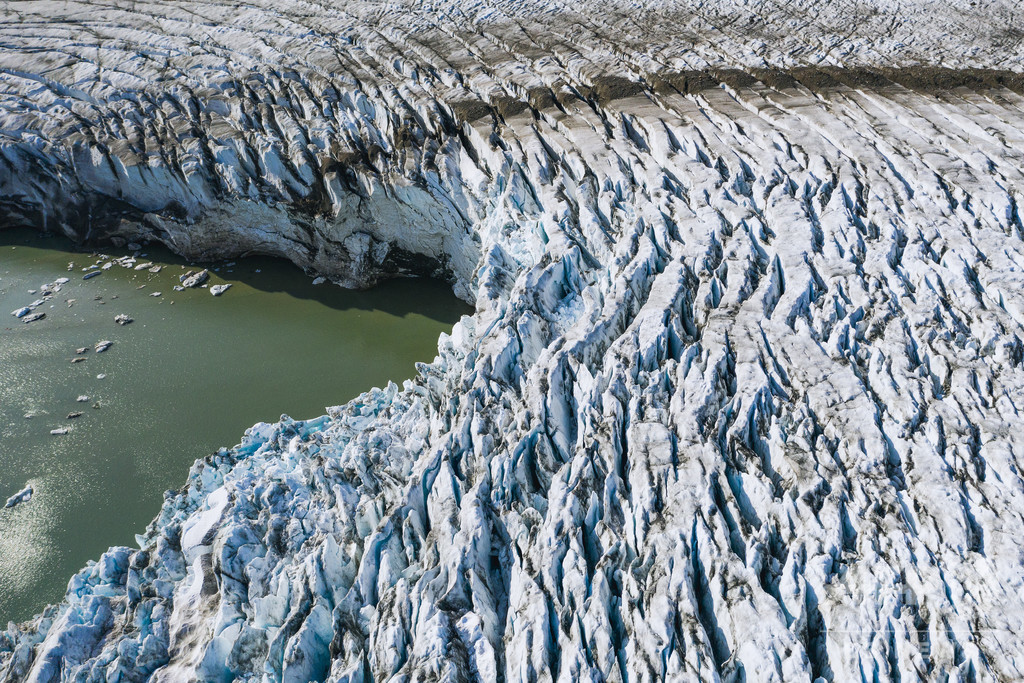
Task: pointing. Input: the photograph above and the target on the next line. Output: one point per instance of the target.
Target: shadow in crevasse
(400, 297)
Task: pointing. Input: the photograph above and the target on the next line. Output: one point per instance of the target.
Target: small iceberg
(103, 345)
(22, 496)
(217, 290)
(195, 279)
(21, 312)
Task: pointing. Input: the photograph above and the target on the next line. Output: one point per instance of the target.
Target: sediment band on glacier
(738, 400)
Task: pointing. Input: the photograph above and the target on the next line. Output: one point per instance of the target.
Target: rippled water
(189, 375)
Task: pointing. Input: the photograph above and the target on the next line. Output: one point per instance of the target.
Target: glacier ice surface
(738, 398)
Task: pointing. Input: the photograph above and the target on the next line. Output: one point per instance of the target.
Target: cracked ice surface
(738, 401)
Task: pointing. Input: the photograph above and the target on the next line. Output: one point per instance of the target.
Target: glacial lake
(190, 374)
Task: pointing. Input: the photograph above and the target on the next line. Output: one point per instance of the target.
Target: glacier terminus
(738, 398)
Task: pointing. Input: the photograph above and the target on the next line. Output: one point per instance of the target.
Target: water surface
(188, 376)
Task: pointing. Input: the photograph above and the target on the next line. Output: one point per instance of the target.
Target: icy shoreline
(738, 400)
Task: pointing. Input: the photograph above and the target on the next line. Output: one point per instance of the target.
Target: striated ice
(738, 400)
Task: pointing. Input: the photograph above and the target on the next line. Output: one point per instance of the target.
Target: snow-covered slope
(739, 398)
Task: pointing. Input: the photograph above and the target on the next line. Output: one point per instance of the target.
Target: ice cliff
(738, 401)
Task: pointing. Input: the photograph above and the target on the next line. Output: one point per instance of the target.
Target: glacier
(738, 398)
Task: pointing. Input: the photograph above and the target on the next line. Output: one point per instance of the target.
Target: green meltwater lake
(187, 376)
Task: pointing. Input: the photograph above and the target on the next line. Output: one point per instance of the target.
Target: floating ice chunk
(319, 280)
(34, 317)
(195, 279)
(21, 312)
(22, 496)
(91, 275)
(156, 294)
(217, 290)
(144, 266)
(102, 346)
(59, 431)
(122, 319)
(82, 399)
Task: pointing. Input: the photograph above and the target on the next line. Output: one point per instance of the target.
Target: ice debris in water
(195, 279)
(217, 290)
(22, 496)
